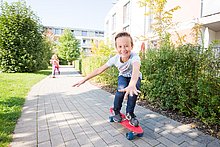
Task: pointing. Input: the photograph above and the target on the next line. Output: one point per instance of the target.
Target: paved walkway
(57, 114)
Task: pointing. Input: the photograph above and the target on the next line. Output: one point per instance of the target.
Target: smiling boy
(129, 79)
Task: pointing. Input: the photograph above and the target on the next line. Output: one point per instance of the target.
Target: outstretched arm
(91, 75)
(131, 88)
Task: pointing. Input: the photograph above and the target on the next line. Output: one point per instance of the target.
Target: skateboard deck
(134, 131)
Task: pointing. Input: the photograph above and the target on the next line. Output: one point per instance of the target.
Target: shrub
(109, 77)
(185, 79)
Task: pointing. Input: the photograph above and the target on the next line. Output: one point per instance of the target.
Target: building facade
(85, 36)
(128, 15)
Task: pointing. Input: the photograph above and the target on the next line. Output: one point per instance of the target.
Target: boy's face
(123, 46)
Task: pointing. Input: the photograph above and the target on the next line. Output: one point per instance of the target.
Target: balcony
(210, 14)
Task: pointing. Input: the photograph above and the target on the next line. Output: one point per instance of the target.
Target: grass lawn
(14, 88)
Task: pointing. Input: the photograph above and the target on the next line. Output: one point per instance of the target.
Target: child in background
(55, 65)
(129, 79)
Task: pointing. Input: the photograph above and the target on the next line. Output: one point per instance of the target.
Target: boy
(129, 79)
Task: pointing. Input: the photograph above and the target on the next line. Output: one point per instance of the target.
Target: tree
(22, 46)
(101, 49)
(68, 48)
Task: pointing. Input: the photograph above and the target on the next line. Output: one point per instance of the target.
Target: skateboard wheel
(140, 135)
(111, 119)
(130, 135)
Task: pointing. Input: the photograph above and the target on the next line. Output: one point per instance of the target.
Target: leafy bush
(109, 77)
(208, 105)
(185, 79)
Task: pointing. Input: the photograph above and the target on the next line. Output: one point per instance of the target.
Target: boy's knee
(120, 87)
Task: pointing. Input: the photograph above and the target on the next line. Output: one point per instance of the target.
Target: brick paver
(56, 114)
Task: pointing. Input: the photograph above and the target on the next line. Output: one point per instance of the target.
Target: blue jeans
(119, 96)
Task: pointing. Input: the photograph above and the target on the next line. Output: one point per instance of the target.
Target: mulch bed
(213, 130)
(194, 122)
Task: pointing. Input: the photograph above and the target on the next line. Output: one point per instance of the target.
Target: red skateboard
(134, 131)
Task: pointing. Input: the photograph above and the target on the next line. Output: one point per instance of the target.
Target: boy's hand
(130, 90)
(78, 83)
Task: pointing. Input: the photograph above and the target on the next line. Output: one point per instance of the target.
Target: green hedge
(109, 77)
(78, 65)
(185, 79)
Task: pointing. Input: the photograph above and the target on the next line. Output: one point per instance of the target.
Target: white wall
(212, 35)
(217, 35)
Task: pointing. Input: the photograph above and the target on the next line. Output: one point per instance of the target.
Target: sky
(84, 14)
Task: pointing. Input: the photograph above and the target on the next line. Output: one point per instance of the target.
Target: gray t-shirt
(125, 69)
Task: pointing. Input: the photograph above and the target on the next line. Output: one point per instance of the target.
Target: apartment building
(85, 36)
(127, 15)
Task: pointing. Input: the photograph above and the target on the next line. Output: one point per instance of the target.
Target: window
(84, 33)
(107, 26)
(57, 32)
(127, 28)
(96, 33)
(113, 22)
(84, 41)
(150, 24)
(113, 39)
(53, 30)
(91, 34)
(99, 34)
(126, 13)
(77, 33)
